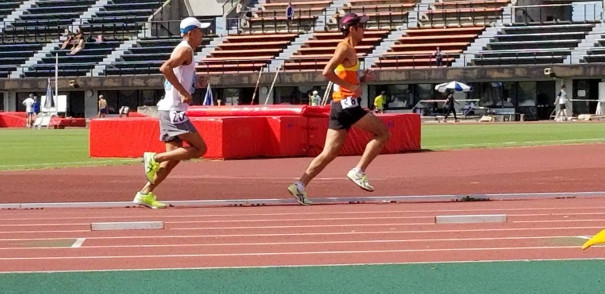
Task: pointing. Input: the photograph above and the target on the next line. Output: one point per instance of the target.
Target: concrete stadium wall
(204, 7)
(437, 75)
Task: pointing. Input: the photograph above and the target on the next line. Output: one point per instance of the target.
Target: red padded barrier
(269, 110)
(316, 134)
(404, 128)
(317, 111)
(409, 132)
(231, 137)
(247, 137)
(240, 110)
(21, 114)
(120, 137)
(287, 136)
(13, 119)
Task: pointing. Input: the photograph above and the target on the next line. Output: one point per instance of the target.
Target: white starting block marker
(144, 225)
(467, 219)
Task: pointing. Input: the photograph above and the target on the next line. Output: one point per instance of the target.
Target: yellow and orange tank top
(348, 74)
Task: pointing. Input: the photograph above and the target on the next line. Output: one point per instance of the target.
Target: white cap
(190, 23)
(315, 92)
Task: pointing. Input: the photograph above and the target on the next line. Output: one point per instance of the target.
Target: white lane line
(260, 254)
(38, 232)
(560, 221)
(78, 243)
(599, 210)
(286, 220)
(356, 232)
(383, 241)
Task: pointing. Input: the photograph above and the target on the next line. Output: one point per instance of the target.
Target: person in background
(562, 99)
(438, 57)
(124, 111)
(29, 110)
(314, 99)
(289, 14)
(102, 107)
(36, 107)
(379, 102)
(449, 106)
(78, 43)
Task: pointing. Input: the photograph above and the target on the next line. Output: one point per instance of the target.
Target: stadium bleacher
(79, 64)
(7, 7)
(147, 56)
(381, 13)
(316, 52)
(45, 20)
(532, 44)
(122, 18)
(451, 25)
(271, 15)
(463, 13)
(245, 52)
(415, 49)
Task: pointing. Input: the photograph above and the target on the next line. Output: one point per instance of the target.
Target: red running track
(545, 169)
(40, 240)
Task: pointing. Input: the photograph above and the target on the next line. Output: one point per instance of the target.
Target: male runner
(175, 126)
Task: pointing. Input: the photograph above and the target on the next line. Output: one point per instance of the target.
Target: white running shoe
(360, 180)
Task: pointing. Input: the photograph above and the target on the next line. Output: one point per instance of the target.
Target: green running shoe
(148, 200)
(151, 166)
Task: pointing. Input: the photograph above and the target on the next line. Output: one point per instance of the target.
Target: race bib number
(349, 102)
(178, 117)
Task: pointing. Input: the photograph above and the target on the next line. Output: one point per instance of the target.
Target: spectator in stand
(438, 57)
(289, 13)
(67, 37)
(78, 43)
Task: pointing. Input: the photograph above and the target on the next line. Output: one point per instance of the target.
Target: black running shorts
(344, 118)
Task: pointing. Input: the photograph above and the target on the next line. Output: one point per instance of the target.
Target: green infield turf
(460, 136)
(47, 148)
